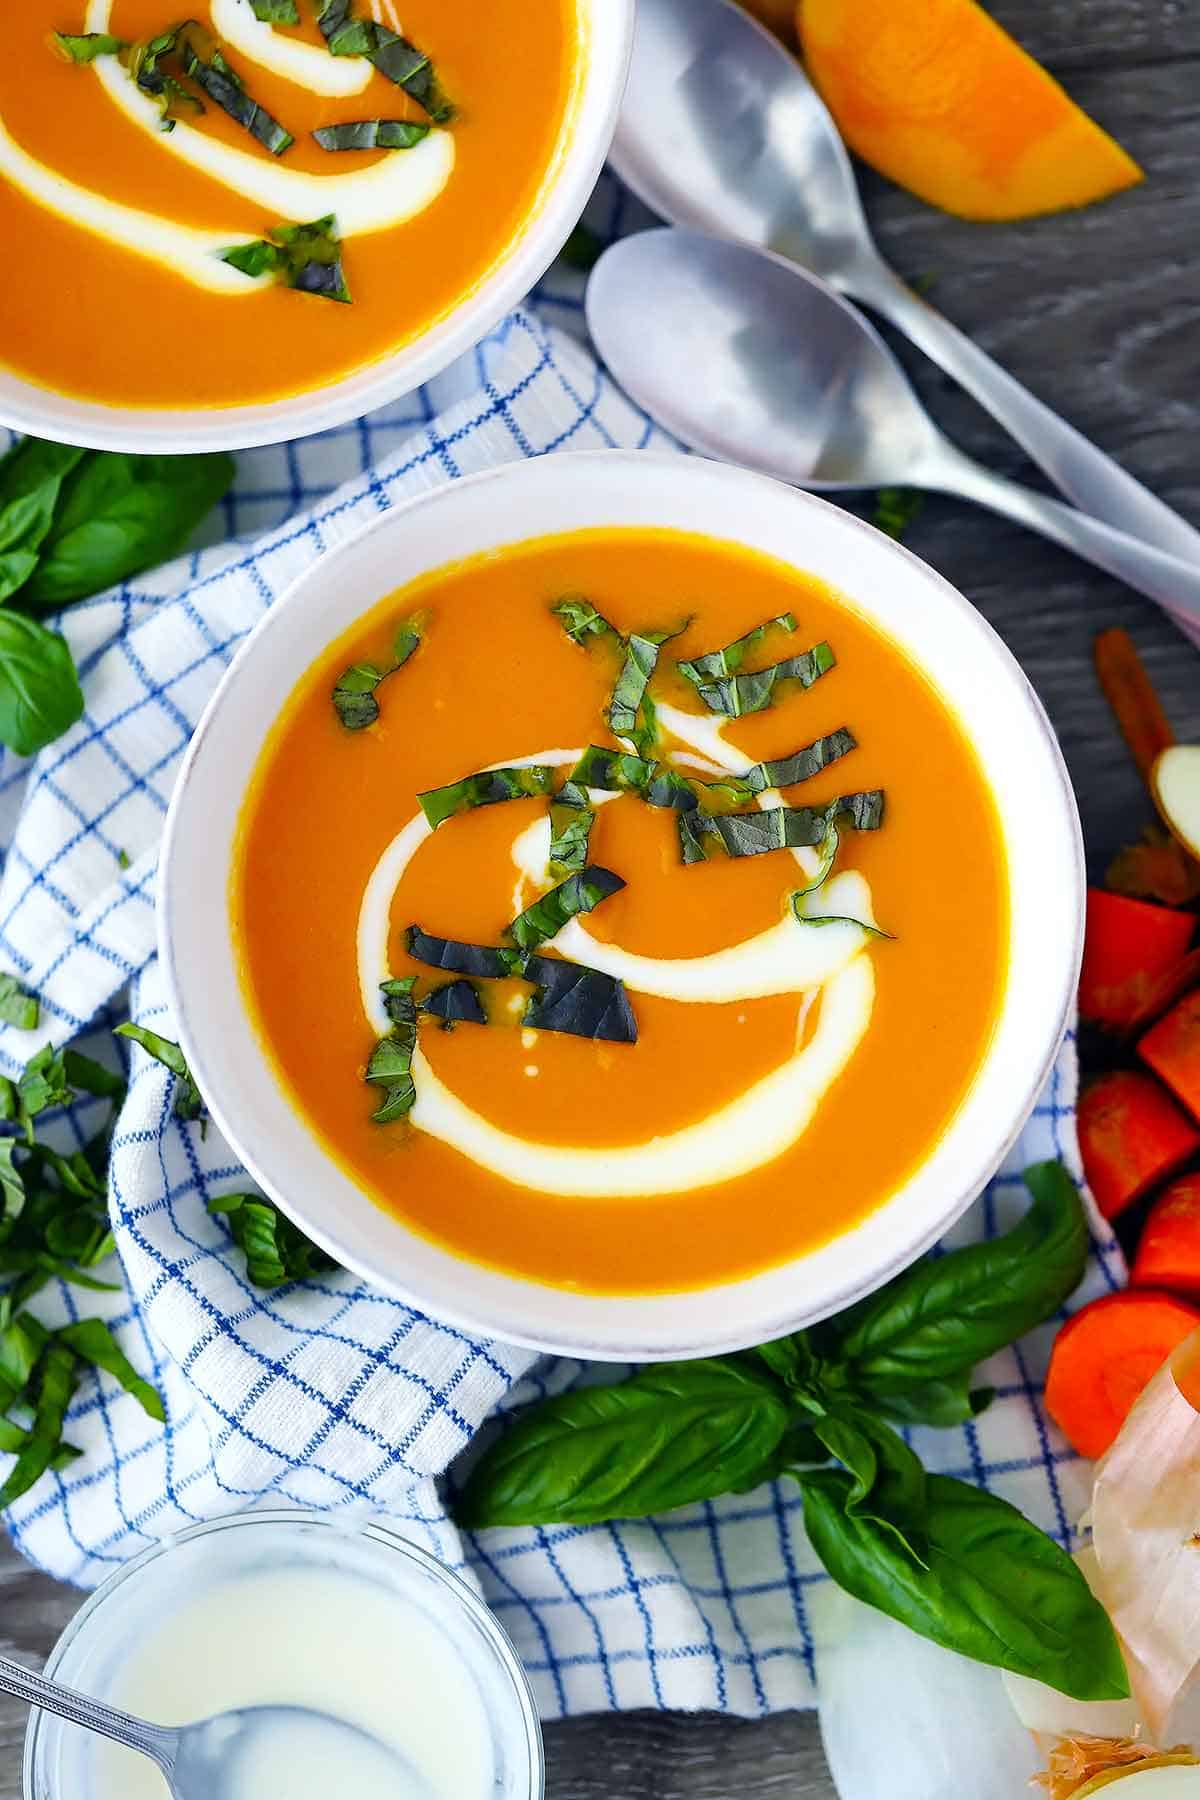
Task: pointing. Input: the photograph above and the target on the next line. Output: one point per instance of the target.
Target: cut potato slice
(1175, 784)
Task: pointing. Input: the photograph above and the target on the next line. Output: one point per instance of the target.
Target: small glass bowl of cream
(294, 1609)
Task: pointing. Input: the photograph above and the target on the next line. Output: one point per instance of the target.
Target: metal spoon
(227, 1757)
(722, 130)
(746, 357)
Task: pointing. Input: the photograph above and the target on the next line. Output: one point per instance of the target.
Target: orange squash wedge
(935, 95)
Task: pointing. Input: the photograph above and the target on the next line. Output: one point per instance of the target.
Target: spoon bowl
(753, 360)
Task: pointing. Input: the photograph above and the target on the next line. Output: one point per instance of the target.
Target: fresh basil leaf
(143, 59)
(673, 1434)
(703, 834)
(17, 1005)
(305, 257)
(581, 621)
(276, 1251)
(577, 1000)
(454, 1003)
(88, 1076)
(887, 1484)
(93, 1342)
(801, 765)
(735, 696)
(372, 134)
(12, 1190)
(276, 12)
(613, 771)
(996, 1589)
(227, 90)
(488, 788)
(393, 55)
(120, 514)
(41, 1085)
(895, 510)
(57, 1376)
(790, 1358)
(86, 46)
(12, 1438)
(354, 697)
(571, 821)
(21, 1344)
(942, 1317)
(481, 961)
(578, 894)
(31, 478)
(189, 1102)
(718, 665)
(944, 1403)
(40, 695)
(631, 712)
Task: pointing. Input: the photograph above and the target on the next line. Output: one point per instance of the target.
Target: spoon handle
(154, 1741)
(1090, 478)
(1174, 583)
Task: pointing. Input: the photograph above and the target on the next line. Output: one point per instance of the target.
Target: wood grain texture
(1098, 313)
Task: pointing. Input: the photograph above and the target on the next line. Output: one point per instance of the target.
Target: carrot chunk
(1172, 1049)
(1168, 1252)
(1130, 692)
(1131, 1134)
(1129, 947)
(1105, 1356)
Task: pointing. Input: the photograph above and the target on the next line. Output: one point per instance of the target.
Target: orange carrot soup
(269, 194)
(622, 910)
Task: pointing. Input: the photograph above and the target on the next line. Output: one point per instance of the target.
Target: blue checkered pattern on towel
(331, 1395)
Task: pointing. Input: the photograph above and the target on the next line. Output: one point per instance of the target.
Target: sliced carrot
(1172, 1049)
(940, 98)
(1168, 1252)
(1105, 1356)
(1131, 1134)
(1178, 979)
(1130, 692)
(1130, 945)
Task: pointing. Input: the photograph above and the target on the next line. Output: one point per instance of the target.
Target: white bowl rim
(97, 425)
(625, 1328)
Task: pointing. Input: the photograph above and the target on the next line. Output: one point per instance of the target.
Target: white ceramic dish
(887, 584)
(607, 31)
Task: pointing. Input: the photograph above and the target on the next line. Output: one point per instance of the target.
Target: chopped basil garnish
(571, 821)
(702, 834)
(547, 916)
(479, 960)
(372, 134)
(581, 621)
(189, 1103)
(802, 765)
(393, 55)
(736, 695)
(390, 1065)
(618, 771)
(142, 61)
(276, 1251)
(570, 997)
(305, 257)
(17, 1006)
(86, 46)
(717, 665)
(276, 12)
(454, 1003)
(487, 788)
(225, 87)
(354, 694)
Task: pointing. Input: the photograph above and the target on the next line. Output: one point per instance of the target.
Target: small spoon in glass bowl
(257, 1753)
(721, 130)
(751, 360)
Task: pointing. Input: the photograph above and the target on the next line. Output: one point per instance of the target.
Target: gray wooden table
(1099, 312)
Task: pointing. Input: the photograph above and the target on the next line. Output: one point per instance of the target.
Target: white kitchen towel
(330, 1394)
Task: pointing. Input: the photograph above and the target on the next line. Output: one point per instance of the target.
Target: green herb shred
(305, 257)
(578, 894)
(488, 788)
(226, 89)
(354, 697)
(372, 134)
(276, 12)
(397, 59)
(86, 46)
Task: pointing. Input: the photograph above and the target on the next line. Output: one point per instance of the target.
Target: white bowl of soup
(277, 216)
(623, 905)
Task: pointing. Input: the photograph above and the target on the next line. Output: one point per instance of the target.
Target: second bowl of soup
(623, 905)
(254, 221)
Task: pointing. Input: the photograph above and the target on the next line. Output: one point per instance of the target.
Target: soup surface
(667, 1075)
(124, 295)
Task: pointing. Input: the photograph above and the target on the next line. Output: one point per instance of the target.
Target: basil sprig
(73, 522)
(951, 1561)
